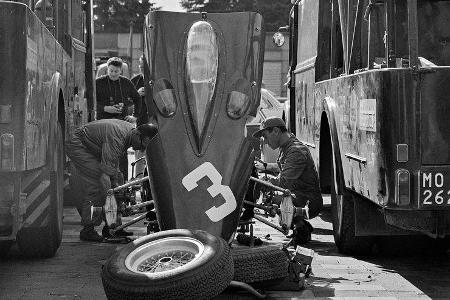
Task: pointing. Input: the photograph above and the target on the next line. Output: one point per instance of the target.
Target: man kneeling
(297, 173)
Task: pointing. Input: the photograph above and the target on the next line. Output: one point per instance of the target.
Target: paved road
(74, 273)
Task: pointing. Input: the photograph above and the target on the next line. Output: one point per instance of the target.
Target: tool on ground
(287, 211)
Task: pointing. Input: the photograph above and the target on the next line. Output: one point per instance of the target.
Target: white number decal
(438, 198)
(425, 201)
(208, 170)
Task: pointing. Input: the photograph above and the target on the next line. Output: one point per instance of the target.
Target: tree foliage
(115, 16)
(275, 12)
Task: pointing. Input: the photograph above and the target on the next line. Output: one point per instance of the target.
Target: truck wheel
(260, 265)
(45, 241)
(172, 264)
(343, 215)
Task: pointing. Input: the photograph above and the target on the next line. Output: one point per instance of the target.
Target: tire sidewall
(115, 268)
(259, 264)
(336, 217)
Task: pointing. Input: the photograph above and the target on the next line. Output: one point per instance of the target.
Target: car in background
(269, 106)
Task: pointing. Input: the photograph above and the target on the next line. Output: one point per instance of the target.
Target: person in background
(117, 98)
(297, 173)
(138, 81)
(94, 151)
(102, 70)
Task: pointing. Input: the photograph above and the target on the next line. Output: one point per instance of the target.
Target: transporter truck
(46, 90)
(368, 87)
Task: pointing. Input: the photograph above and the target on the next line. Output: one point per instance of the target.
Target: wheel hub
(166, 261)
(163, 255)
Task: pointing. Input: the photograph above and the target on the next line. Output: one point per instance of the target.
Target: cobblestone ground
(74, 273)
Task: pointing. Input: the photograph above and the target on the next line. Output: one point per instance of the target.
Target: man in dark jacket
(117, 98)
(116, 94)
(94, 150)
(297, 172)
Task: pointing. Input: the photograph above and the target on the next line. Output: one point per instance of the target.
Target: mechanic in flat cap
(95, 150)
(297, 173)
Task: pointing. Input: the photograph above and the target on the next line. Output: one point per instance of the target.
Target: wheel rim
(173, 254)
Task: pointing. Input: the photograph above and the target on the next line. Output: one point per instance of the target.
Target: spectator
(102, 70)
(117, 98)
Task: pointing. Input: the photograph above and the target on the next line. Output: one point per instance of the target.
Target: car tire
(262, 265)
(152, 267)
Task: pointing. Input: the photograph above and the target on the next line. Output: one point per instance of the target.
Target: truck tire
(44, 241)
(172, 264)
(343, 216)
(260, 265)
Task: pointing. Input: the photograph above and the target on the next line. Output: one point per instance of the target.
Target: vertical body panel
(37, 114)
(356, 98)
(13, 85)
(192, 172)
(435, 109)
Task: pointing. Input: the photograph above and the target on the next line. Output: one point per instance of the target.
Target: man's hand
(113, 109)
(105, 182)
(141, 91)
(260, 166)
(130, 119)
(263, 166)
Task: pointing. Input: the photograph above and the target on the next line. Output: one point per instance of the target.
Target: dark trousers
(123, 166)
(85, 181)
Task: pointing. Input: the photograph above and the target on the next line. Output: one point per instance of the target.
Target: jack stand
(244, 226)
(300, 261)
(252, 238)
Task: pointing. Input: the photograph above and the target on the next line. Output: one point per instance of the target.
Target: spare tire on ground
(172, 264)
(259, 266)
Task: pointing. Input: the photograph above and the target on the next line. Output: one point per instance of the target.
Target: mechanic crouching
(297, 174)
(95, 150)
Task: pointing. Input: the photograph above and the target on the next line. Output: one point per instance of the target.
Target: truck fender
(56, 88)
(328, 118)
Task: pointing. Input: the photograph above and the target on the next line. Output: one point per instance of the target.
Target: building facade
(276, 59)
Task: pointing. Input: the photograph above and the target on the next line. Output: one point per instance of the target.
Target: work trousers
(85, 181)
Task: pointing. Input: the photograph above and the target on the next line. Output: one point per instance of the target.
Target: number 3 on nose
(207, 169)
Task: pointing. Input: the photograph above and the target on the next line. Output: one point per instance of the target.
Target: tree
(115, 16)
(275, 12)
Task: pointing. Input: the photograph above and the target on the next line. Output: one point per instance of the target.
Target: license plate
(434, 189)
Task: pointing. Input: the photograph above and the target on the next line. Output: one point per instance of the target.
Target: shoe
(123, 233)
(90, 235)
(119, 233)
(247, 215)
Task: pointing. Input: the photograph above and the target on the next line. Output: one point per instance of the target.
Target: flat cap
(269, 123)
